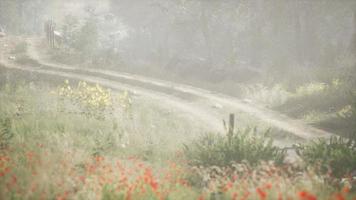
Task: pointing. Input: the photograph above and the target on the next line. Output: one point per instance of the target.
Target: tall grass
(244, 145)
(68, 155)
(336, 156)
(268, 96)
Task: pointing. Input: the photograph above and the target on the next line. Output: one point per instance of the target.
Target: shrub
(353, 107)
(5, 133)
(335, 154)
(86, 41)
(219, 150)
(93, 101)
(263, 181)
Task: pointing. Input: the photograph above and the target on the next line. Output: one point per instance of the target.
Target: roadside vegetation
(293, 90)
(83, 141)
(68, 139)
(328, 105)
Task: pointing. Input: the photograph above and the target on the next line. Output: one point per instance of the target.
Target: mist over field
(178, 99)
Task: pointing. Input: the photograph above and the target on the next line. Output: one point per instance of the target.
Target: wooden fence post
(231, 126)
(49, 29)
(52, 34)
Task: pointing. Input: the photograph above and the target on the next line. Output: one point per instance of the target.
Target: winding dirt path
(195, 101)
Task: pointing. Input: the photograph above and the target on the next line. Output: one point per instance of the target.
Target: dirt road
(207, 107)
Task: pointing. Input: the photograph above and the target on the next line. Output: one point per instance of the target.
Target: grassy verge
(55, 153)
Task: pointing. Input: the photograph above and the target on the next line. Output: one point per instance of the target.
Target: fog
(192, 94)
(202, 39)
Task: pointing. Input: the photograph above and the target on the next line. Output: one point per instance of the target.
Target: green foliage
(87, 38)
(311, 88)
(5, 133)
(244, 145)
(15, 15)
(335, 154)
(93, 101)
(109, 193)
(70, 29)
(270, 96)
(80, 40)
(68, 52)
(353, 107)
(348, 114)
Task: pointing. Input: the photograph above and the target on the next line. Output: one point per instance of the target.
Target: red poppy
(346, 189)
(201, 197)
(339, 196)
(262, 194)
(304, 195)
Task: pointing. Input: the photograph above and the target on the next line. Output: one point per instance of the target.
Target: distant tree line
(22, 16)
(259, 34)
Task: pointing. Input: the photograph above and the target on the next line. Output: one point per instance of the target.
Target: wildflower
(201, 197)
(7, 170)
(262, 194)
(140, 165)
(129, 193)
(346, 189)
(30, 156)
(234, 178)
(63, 196)
(183, 182)
(280, 196)
(82, 179)
(339, 196)
(246, 195)
(268, 186)
(234, 196)
(304, 195)
(228, 186)
(4, 158)
(13, 180)
(154, 185)
(34, 187)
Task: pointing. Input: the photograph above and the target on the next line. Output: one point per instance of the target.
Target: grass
(325, 104)
(244, 145)
(329, 154)
(267, 96)
(143, 126)
(56, 154)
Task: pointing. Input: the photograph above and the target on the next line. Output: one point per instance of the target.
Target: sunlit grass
(313, 117)
(268, 96)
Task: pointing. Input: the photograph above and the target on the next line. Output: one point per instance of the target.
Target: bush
(86, 40)
(243, 145)
(92, 100)
(335, 154)
(353, 107)
(263, 181)
(5, 133)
